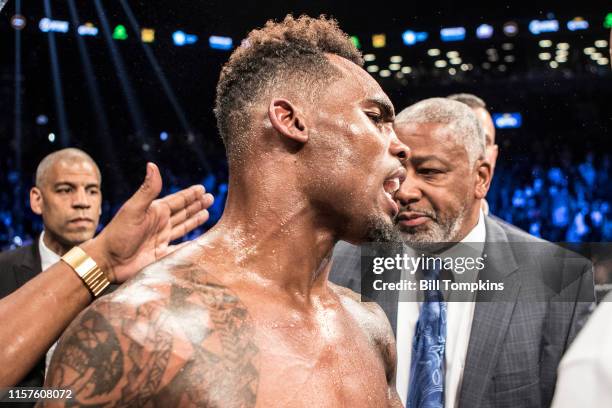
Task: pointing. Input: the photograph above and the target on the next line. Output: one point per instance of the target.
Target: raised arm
(35, 315)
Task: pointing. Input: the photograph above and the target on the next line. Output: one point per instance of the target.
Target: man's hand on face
(141, 231)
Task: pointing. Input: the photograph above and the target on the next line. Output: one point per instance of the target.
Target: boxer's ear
(287, 120)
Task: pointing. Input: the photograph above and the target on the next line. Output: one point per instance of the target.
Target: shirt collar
(47, 256)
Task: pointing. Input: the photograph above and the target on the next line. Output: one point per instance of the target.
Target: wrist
(95, 249)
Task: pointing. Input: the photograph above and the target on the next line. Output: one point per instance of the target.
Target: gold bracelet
(87, 269)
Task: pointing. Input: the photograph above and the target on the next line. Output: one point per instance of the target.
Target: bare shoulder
(168, 336)
(373, 320)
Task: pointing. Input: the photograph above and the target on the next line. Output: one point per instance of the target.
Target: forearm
(35, 315)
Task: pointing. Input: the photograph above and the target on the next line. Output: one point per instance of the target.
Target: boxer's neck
(274, 232)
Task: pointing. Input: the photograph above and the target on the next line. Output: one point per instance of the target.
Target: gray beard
(433, 239)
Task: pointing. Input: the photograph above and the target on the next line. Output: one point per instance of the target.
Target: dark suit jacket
(518, 337)
(16, 268)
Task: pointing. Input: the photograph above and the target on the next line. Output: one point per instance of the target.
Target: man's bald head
(456, 115)
(69, 155)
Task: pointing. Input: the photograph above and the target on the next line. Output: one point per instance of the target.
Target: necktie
(426, 387)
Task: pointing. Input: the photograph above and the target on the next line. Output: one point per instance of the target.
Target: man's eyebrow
(386, 109)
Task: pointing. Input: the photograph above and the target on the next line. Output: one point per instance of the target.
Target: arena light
(369, 57)
(577, 23)
(379, 40)
(511, 29)
(385, 73)
(394, 67)
(537, 27)
(544, 56)
(406, 70)
(47, 25)
(120, 33)
(433, 52)
(219, 43)
(452, 34)
(545, 43)
(18, 22)
(601, 43)
(563, 46)
(410, 37)
(163, 136)
(396, 59)
(372, 68)
(509, 58)
(589, 50)
(440, 63)
(507, 46)
(554, 64)
(452, 71)
(181, 38)
(484, 31)
(464, 67)
(356, 42)
(147, 35)
(452, 54)
(87, 29)
(510, 120)
(456, 61)
(51, 137)
(603, 61)
(608, 21)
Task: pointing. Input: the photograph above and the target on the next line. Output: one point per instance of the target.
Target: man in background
(479, 107)
(68, 198)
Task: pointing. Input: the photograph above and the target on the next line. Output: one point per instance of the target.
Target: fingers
(188, 225)
(182, 199)
(203, 203)
(148, 191)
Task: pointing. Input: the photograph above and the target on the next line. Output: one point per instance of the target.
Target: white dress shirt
(585, 372)
(47, 258)
(459, 324)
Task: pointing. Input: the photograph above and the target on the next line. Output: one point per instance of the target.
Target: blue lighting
(220, 43)
(577, 24)
(412, 37)
(58, 26)
(484, 31)
(181, 38)
(508, 120)
(452, 34)
(163, 136)
(543, 26)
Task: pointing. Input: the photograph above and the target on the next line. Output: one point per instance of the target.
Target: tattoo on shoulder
(193, 347)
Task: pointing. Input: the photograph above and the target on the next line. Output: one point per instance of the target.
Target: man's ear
(483, 178)
(36, 200)
(287, 120)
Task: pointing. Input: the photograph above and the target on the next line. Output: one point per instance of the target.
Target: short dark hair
(288, 52)
(470, 100)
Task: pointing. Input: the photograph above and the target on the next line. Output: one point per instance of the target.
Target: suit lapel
(492, 315)
(30, 265)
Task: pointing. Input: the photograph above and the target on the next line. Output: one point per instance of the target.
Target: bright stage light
(507, 120)
(543, 26)
(452, 34)
(47, 25)
(88, 29)
(120, 33)
(217, 42)
(147, 35)
(484, 31)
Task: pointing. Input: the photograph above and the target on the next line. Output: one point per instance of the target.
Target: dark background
(553, 173)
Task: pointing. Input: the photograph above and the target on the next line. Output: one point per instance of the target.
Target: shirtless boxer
(246, 316)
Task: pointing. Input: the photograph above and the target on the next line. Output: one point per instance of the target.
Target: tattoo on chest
(120, 356)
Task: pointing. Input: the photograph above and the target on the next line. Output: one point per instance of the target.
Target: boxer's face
(440, 189)
(69, 201)
(355, 159)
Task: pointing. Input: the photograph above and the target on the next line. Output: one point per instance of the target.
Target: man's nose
(409, 191)
(81, 199)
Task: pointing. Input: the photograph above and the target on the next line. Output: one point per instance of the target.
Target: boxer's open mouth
(391, 185)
